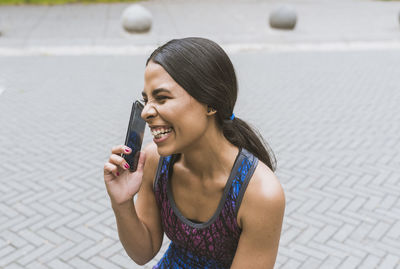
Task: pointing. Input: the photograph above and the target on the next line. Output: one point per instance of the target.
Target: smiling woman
(208, 179)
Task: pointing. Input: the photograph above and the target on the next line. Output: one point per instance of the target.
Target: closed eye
(159, 98)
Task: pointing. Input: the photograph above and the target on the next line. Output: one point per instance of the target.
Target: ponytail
(240, 134)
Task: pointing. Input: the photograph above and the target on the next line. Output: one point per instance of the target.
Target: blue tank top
(211, 244)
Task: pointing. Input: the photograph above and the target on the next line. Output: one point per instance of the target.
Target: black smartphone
(134, 136)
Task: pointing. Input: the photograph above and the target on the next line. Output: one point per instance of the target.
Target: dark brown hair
(204, 70)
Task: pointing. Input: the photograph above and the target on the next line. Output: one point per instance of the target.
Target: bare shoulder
(261, 217)
(264, 197)
(265, 185)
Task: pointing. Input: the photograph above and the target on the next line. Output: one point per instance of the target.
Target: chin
(164, 151)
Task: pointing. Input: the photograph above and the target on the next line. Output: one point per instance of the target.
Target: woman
(207, 181)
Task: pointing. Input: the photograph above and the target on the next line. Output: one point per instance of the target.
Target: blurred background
(320, 79)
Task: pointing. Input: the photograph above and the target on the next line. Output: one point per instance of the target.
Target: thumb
(142, 160)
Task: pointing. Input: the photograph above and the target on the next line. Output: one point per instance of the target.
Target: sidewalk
(331, 117)
(240, 23)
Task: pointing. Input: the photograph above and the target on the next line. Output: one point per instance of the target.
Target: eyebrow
(156, 91)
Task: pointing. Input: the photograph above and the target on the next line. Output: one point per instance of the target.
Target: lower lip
(162, 139)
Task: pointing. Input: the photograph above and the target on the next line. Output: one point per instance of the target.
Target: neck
(210, 156)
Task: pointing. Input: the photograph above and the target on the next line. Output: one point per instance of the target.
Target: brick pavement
(332, 119)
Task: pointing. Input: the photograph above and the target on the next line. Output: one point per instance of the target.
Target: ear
(211, 111)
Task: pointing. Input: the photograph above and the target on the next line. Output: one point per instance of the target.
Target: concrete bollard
(283, 17)
(136, 19)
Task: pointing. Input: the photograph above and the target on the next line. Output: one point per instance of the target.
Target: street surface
(331, 116)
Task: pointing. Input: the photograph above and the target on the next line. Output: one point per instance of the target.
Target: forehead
(156, 77)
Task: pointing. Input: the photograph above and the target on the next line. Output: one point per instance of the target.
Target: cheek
(186, 116)
(191, 128)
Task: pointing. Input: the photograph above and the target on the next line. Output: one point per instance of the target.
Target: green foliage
(58, 2)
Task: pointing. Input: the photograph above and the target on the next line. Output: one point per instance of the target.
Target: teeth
(160, 135)
(160, 132)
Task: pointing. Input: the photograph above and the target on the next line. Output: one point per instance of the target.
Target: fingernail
(117, 174)
(126, 166)
(127, 150)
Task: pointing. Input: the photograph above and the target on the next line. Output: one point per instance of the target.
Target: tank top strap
(245, 167)
(242, 171)
(163, 169)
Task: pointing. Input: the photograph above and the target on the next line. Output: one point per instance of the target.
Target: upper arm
(145, 205)
(261, 216)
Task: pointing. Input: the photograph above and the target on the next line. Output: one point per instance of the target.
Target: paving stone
(325, 234)
(290, 235)
(307, 235)
(32, 237)
(311, 263)
(81, 220)
(379, 230)
(33, 255)
(331, 263)
(65, 220)
(366, 246)
(6, 250)
(57, 264)
(291, 264)
(394, 231)
(45, 211)
(10, 212)
(316, 254)
(125, 262)
(13, 239)
(74, 252)
(115, 248)
(351, 262)
(370, 262)
(103, 263)
(51, 236)
(14, 266)
(333, 132)
(44, 222)
(15, 255)
(70, 234)
(35, 265)
(103, 244)
(388, 201)
(390, 261)
(77, 262)
(56, 252)
(3, 243)
(107, 231)
(344, 232)
(26, 223)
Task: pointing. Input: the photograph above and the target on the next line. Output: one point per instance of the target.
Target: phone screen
(134, 136)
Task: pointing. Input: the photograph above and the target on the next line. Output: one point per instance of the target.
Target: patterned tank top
(210, 244)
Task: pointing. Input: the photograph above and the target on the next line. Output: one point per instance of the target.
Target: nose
(148, 112)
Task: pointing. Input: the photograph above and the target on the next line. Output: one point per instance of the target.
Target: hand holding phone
(134, 136)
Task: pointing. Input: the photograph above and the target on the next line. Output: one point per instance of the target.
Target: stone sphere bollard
(136, 18)
(283, 17)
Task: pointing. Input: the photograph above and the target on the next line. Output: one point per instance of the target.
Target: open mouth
(161, 132)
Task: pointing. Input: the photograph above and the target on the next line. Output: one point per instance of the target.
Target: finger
(119, 161)
(121, 149)
(110, 168)
(142, 160)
